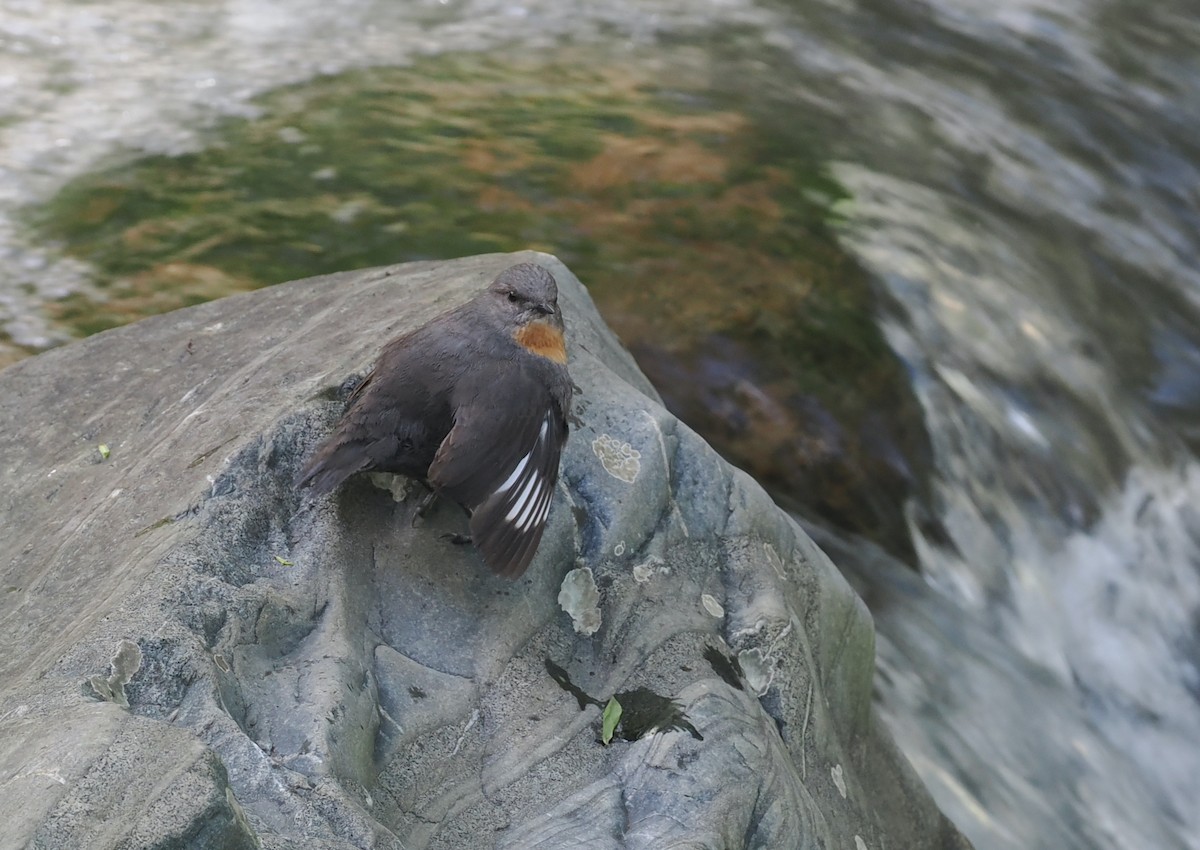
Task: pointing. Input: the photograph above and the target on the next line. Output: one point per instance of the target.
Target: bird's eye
(513, 297)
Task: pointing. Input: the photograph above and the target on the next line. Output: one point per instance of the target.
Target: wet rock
(324, 674)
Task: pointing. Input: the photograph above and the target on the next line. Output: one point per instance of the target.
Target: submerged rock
(325, 674)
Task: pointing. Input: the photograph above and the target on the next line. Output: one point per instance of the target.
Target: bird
(475, 404)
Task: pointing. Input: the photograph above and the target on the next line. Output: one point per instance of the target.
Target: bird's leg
(456, 538)
(424, 506)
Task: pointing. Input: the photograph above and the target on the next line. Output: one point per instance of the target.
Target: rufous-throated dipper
(476, 405)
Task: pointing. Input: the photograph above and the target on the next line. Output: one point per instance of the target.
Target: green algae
(461, 155)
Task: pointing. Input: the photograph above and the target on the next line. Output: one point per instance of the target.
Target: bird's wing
(500, 462)
(367, 435)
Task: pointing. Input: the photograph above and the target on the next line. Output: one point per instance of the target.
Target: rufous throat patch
(544, 340)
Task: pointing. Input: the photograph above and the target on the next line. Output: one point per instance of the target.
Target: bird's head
(527, 293)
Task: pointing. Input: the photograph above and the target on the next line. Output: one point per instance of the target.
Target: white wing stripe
(524, 462)
(539, 515)
(532, 520)
(543, 509)
(531, 508)
(512, 479)
(524, 497)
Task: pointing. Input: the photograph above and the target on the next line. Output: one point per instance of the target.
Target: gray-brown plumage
(475, 403)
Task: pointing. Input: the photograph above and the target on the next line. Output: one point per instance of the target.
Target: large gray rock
(196, 656)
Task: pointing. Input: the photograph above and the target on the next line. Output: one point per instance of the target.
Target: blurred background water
(927, 269)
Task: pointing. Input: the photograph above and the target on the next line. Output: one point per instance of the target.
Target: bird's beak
(544, 309)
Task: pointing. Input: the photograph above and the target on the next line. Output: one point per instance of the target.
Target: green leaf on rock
(609, 720)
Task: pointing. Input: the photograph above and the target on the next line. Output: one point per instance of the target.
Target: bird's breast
(544, 340)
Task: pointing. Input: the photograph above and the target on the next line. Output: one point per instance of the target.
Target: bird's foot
(424, 506)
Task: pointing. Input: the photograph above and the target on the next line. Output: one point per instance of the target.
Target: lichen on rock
(579, 597)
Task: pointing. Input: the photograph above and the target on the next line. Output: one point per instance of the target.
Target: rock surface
(196, 656)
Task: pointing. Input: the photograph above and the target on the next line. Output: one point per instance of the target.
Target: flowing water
(1020, 180)
(1025, 185)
